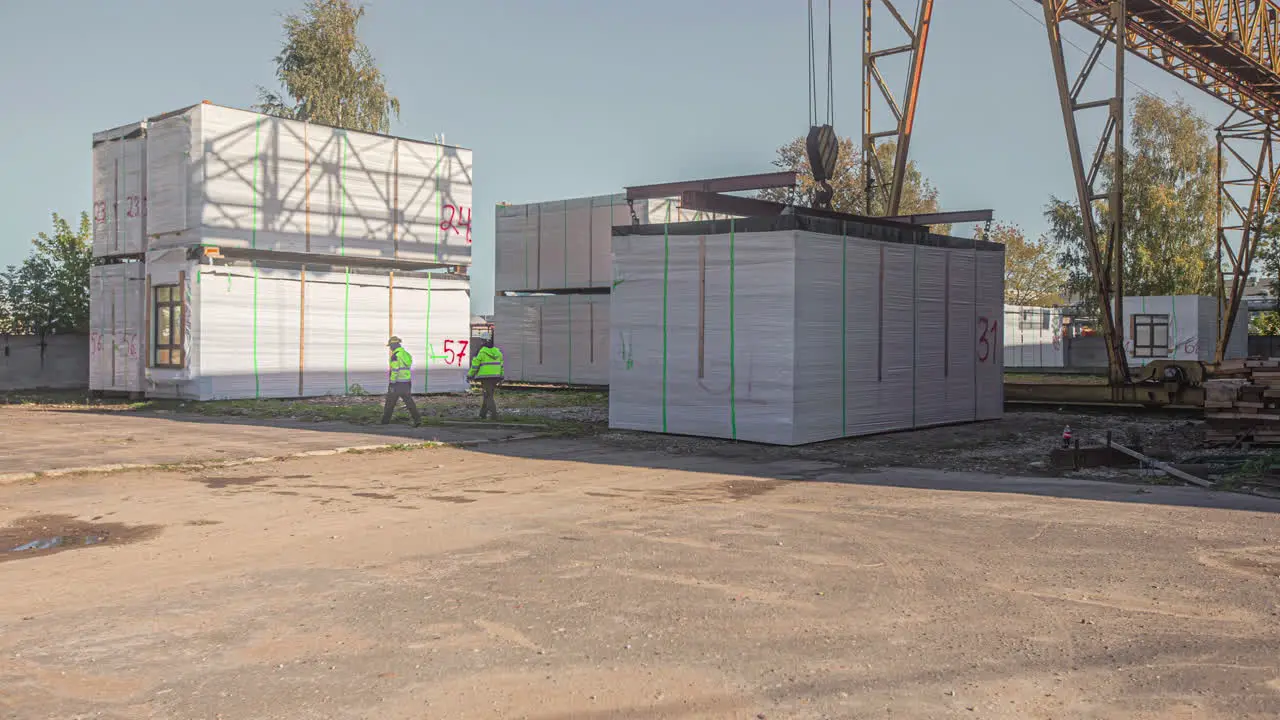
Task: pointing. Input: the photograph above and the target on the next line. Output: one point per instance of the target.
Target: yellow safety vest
(487, 364)
(401, 366)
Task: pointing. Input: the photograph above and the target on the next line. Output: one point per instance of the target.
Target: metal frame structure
(1244, 203)
(1231, 50)
(888, 184)
(1106, 258)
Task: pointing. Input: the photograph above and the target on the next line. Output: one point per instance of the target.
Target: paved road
(562, 579)
(37, 440)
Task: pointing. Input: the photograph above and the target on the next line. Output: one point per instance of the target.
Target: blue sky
(558, 98)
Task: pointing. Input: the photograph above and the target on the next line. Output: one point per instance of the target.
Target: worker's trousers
(396, 391)
(489, 406)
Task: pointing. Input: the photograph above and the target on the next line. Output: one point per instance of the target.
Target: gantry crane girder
(1228, 48)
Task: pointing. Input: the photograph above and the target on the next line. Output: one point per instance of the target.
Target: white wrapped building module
(1033, 337)
(231, 331)
(791, 330)
(1178, 327)
(117, 316)
(565, 244)
(237, 179)
(561, 339)
(119, 191)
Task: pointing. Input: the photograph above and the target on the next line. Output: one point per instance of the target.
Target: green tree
(1031, 272)
(328, 75)
(49, 292)
(918, 194)
(1264, 323)
(1170, 207)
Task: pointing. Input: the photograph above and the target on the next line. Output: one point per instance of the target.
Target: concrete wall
(62, 364)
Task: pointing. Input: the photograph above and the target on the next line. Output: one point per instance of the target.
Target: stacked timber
(1242, 402)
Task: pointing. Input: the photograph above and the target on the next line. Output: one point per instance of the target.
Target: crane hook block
(823, 150)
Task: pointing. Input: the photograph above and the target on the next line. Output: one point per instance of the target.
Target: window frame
(1150, 321)
(176, 326)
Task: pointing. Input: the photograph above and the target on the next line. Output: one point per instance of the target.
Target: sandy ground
(36, 440)
(576, 578)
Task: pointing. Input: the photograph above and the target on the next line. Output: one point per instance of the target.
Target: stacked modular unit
(237, 179)
(791, 330)
(116, 296)
(564, 247)
(567, 244)
(117, 318)
(1033, 337)
(1178, 327)
(555, 338)
(319, 239)
(272, 330)
(120, 191)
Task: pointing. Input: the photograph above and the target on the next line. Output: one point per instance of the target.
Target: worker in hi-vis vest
(400, 383)
(486, 367)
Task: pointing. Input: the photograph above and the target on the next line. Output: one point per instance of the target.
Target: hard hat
(393, 341)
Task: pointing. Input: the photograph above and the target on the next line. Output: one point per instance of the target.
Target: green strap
(257, 377)
(342, 250)
(346, 328)
(257, 161)
(570, 297)
(666, 269)
(439, 205)
(426, 362)
(733, 341)
(844, 334)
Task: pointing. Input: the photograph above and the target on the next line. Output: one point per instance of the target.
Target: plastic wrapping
(119, 191)
(262, 331)
(561, 339)
(116, 320)
(793, 335)
(567, 244)
(1033, 337)
(233, 178)
(1191, 323)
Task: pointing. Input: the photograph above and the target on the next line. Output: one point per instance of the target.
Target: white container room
(791, 330)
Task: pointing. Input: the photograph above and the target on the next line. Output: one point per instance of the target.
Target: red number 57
(455, 358)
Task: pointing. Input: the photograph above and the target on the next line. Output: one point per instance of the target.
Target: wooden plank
(1162, 467)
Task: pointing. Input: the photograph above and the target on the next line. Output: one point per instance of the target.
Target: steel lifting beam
(885, 183)
(1104, 247)
(945, 218)
(737, 183)
(1246, 194)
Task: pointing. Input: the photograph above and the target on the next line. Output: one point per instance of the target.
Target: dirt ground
(597, 577)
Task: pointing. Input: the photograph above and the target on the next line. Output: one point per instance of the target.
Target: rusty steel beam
(888, 184)
(1228, 48)
(1103, 246)
(945, 218)
(737, 183)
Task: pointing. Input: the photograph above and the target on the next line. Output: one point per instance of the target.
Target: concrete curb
(9, 478)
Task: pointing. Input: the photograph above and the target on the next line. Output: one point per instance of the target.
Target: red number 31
(986, 337)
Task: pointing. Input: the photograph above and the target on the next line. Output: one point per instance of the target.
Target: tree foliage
(49, 292)
(918, 194)
(328, 75)
(1031, 272)
(1170, 207)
